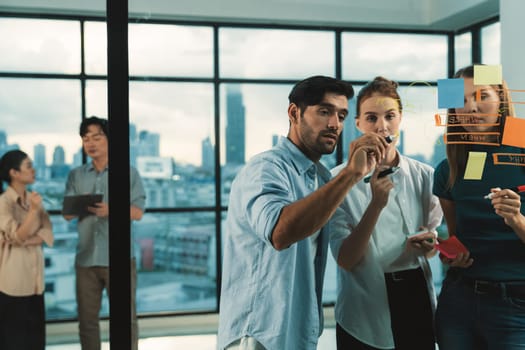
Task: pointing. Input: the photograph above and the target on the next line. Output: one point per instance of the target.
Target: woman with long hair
(482, 300)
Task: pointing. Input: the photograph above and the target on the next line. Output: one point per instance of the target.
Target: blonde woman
(385, 296)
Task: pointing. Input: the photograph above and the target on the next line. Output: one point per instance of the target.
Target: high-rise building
(77, 158)
(3, 139)
(235, 126)
(4, 146)
(132, 132)
(59, 168)
(59, 156)
(133, 145)
(39, 155)
(39, 160)
(149, 144)
(208, 155)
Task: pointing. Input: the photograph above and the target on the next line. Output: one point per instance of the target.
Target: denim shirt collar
(301, 162)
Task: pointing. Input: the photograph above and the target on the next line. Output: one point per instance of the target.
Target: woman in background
(482, 301)
(24, 225)
(385, 291)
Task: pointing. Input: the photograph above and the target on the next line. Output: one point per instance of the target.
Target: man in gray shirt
(92, 256)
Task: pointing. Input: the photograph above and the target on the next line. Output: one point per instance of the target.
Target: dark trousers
(410, 314)
(480, 315)
(410, 310)
(22, 322)
(346, 341)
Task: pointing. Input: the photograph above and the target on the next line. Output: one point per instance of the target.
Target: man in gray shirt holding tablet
(92, 256)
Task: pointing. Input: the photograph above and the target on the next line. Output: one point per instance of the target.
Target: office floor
(193, 342)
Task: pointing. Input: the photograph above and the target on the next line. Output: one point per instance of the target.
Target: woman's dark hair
(457, 153)
(381, 86)
(93, 120)
(311, 91)
(10, 160)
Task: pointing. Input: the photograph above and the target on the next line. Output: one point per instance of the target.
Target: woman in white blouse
(24, 225)
(385, 291)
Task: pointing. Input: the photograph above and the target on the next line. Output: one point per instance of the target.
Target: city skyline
(147, 143)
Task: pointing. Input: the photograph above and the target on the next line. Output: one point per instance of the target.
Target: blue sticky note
(451, 93)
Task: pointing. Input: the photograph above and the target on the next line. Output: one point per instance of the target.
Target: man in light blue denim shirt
(276, 236)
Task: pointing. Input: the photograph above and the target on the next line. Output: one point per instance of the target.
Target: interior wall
(400, 14)
(513, 50)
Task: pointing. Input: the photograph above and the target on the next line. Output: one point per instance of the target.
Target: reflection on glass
(37, 45)
(252, 118)
(490, 44)
(274, 53)
(170, 50)
(176, 265)
(463, 50)
(408, 57)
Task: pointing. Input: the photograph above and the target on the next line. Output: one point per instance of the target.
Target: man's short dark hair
(93, 120)
(311, 91)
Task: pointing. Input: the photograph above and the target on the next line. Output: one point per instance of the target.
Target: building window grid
(193, 261)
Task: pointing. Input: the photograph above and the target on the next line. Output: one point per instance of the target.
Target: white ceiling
(397, 14)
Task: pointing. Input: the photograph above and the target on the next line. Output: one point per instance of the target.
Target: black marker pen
(383, 173)
(390, 138)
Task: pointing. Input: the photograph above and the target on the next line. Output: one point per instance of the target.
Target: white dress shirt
(362, 304)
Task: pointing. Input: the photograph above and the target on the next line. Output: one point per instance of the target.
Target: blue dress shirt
(272, 296)
(362, 308)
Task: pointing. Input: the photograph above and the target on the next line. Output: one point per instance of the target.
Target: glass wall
(463, 50)
(185, 101)
(403, 57)
(490, 44)
(275, 54)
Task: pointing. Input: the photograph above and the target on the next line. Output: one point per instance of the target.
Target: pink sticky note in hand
(451, 247)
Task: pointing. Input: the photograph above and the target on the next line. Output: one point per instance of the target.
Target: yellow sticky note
(475, 165)
(487, 75)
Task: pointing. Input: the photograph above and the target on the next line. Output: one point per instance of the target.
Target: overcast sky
(48, 111)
